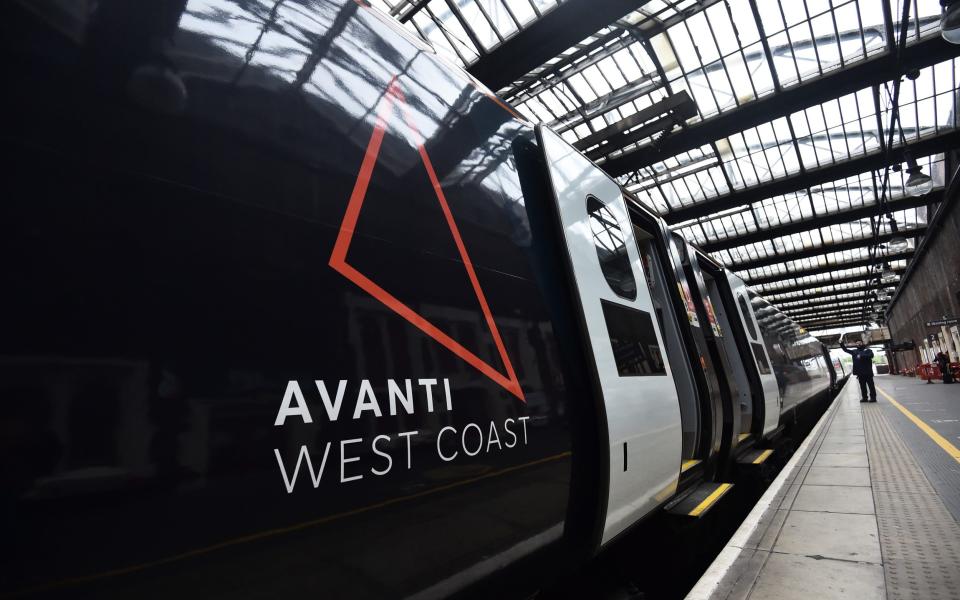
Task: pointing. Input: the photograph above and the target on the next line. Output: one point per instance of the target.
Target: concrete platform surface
(862, 510)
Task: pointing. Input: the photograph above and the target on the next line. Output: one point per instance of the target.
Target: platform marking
(742, 437)
(931, 433)
(688, 464)
(763, 456)
(710, 500)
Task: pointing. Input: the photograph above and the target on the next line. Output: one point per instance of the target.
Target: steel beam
(823, 315)
(835, 324)
(812, 285)
(831, 85)
(772, 299)
(825, 220)
(841, 297)
(830, 268)
(784, 185)
(677, 106)
(567, 24)
(835, 319)
(850, 305)
(777, 259)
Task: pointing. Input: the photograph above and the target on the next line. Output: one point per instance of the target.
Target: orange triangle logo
(338, 259)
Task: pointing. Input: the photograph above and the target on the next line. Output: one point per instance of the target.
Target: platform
(866, 508)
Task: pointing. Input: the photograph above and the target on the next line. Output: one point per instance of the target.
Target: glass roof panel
(724, 55)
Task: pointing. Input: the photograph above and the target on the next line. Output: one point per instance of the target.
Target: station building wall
(933, 291)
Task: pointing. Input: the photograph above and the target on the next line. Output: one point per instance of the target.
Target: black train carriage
(292, 308)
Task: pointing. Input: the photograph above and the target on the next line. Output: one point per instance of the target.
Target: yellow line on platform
(709, 500)
(688, 464)
(931, 433)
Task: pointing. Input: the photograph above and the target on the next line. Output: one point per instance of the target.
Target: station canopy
(774, 135)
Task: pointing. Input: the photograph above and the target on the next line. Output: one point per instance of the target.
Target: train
(296, 307)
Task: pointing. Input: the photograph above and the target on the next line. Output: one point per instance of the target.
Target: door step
(699, 502)
(689, 464)
(754, 457)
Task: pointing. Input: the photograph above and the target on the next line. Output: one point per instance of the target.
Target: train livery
(295, 307)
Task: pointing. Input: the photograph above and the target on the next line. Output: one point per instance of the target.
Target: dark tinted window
(745, 311)
(762, 363)
(611, 249)
(634, 341)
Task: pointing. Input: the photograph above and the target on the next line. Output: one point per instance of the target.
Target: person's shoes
(863, 400)
(873, 400)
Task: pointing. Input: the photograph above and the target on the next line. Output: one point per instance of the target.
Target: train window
(745, 311)
(762, 363)
(611, 250)
(633, 340)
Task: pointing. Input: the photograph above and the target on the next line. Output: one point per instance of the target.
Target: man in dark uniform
(863, 369)
(943, 361)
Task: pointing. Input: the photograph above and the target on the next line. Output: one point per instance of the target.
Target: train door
(713, 337)
(741, 375)
(768, 380)
(670, 310)
(632, 379)
(711, 400)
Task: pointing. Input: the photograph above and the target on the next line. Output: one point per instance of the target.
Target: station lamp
(887, 274)
(950, 21)
(897, 243)
(918, 183)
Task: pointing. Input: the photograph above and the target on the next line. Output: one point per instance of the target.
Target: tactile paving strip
(919, 538)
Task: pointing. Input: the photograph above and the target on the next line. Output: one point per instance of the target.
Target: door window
(611, 250)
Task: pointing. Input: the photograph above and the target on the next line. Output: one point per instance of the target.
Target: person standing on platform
(862, 368)
(943, 361)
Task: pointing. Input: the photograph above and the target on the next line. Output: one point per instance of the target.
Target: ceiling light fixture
(950, 21)
(897, 243)
(887, 274)
(918, 183)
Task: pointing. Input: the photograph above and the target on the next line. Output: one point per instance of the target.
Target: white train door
(771, 391)
(632, 374)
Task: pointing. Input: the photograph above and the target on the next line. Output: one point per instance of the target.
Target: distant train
(293, 307)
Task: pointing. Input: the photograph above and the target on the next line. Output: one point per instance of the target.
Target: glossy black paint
(176, 177)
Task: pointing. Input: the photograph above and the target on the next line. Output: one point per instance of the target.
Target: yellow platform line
(743, 436)
(710, 500)
(931, 433)
(763, 456)
(688, 464)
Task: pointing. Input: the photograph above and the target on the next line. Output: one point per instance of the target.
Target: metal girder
(826, 293)
(784, 185)
(842, 266)
(835, 324)
(802, 310)
(678, 106)
(620, 36)
(831, 85)
(832, 314)
(835, 319)
(819, 284)
(856, 304)
(567, 24)
(853, 244)
(835, 316)
(845, 302)
(840, 297)
(825, 220)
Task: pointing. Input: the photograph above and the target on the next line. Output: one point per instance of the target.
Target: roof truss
(862, 242)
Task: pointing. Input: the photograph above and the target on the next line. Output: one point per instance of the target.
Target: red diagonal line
(457, 238)
(348, 226)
